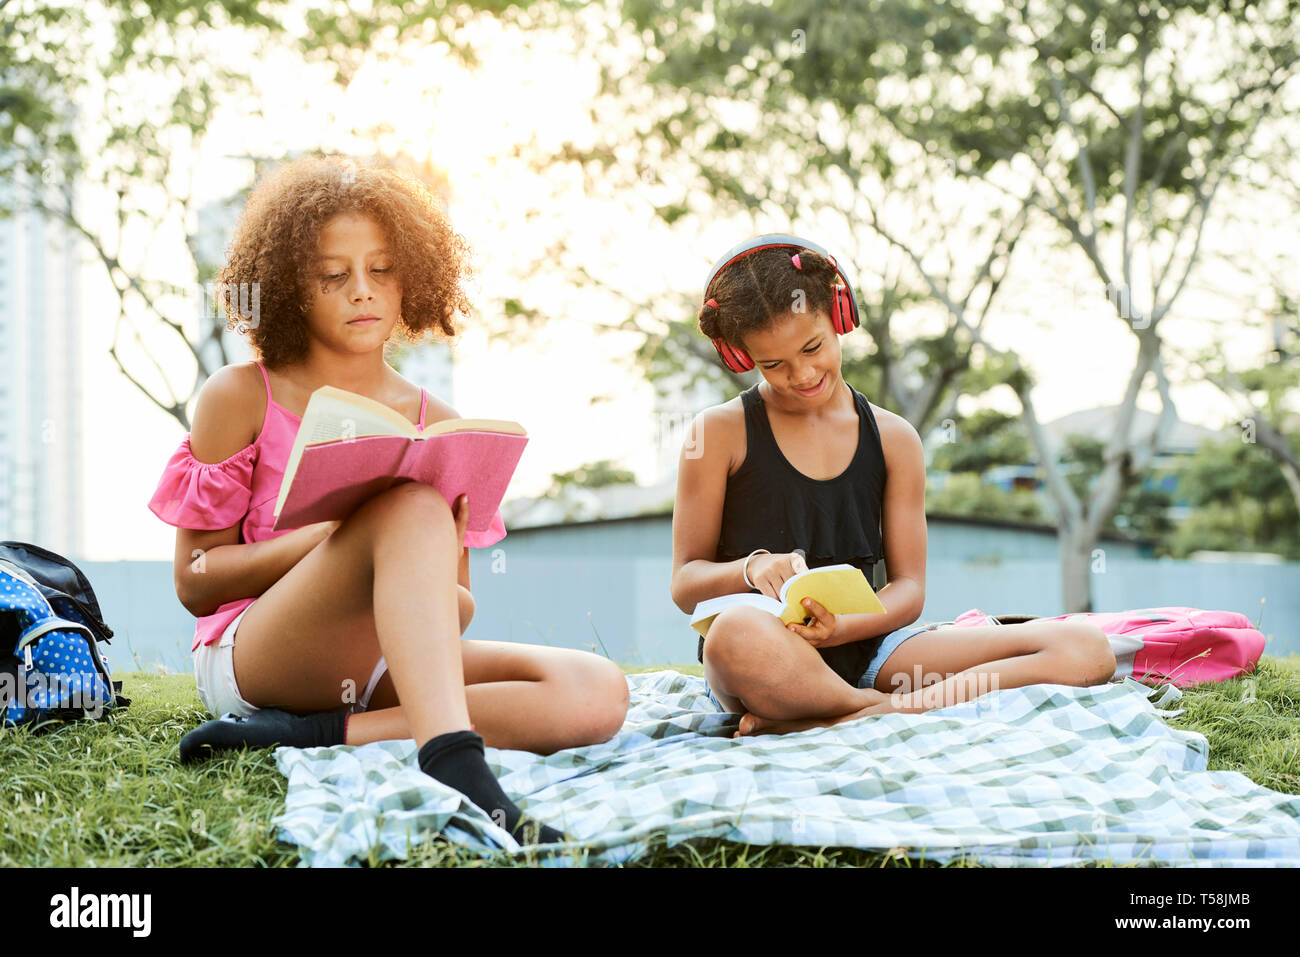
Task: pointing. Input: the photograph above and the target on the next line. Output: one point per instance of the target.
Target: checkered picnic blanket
(1043, 775)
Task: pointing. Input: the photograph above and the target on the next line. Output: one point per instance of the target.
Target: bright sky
(532, 88)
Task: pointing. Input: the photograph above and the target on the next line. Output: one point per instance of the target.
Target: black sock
(262, 729)
(456, 759)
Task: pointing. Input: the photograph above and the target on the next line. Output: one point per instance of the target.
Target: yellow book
(840, 589)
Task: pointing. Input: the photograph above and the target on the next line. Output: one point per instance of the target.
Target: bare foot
(751, 723)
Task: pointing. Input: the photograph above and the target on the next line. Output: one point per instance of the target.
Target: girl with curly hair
(291, 623)
(802, 471)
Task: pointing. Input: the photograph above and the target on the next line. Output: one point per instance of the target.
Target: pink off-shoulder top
(243, 488)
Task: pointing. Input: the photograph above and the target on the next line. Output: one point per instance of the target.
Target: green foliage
(592, 475)
(1241, 502)
(979, 84)
(677, 357)
(983, 441)
(803, 111)
(49, 61)
(1238, 498)
(968, 494)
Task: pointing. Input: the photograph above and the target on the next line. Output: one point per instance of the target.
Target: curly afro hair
(276, 242)
(754, 291)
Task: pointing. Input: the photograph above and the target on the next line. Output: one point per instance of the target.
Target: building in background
(41, 377)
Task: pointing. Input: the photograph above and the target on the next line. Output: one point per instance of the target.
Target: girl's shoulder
(886, 419)
(898, 437)
(228, 411)
(719, 434)
(731, 412)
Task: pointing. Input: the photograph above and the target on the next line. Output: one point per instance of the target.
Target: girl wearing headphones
(801, 471)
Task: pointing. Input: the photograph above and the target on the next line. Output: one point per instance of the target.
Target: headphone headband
(769, 241)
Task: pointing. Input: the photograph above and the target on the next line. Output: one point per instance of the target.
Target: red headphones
(844, 308)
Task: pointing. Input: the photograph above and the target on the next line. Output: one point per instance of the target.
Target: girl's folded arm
(697, 513)
(211, 567)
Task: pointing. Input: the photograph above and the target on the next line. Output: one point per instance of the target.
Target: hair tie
(795, 259)
(711, 302)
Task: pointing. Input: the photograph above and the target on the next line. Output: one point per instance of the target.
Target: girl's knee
(734, 632)
(408, 504)
(598, 691)
(610, 690)
(1091, 651)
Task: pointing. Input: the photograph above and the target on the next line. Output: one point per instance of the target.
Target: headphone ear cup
(842, 317)
(737, 360)
(743, 363)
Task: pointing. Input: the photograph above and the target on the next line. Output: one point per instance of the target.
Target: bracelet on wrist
(744, 569)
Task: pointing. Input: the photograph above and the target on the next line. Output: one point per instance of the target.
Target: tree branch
(1085, 163)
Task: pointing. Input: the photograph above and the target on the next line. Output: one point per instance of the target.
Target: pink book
(350, 448)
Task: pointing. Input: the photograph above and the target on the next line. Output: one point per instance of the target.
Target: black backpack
(50, 628)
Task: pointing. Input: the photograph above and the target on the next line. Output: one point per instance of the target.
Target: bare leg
(520, 697)
(963, 663)
(946, 666)
(760, 669)
(384, 583)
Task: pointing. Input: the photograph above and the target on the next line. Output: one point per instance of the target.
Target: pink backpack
(1182, 646)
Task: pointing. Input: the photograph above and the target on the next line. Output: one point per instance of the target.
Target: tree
(1143, 510)
(676, 136)
(81, 117)
(1266, 296)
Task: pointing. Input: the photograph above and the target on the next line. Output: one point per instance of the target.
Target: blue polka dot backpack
(51, 668)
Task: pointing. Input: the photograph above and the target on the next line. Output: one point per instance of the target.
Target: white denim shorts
(214, 673)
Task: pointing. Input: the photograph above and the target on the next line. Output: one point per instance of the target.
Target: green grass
(112, 793)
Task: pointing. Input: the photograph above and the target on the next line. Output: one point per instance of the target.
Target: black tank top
(771, 504)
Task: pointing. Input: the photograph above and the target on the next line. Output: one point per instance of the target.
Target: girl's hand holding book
(819, 628)
(312, 535)
(324, 529)
(460, 512)
(770, 572)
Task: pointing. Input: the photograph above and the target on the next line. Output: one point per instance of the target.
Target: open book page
(711, 608)
(473, 425)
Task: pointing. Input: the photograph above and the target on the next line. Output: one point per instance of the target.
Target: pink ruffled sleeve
(493, 534)
(203, 495)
